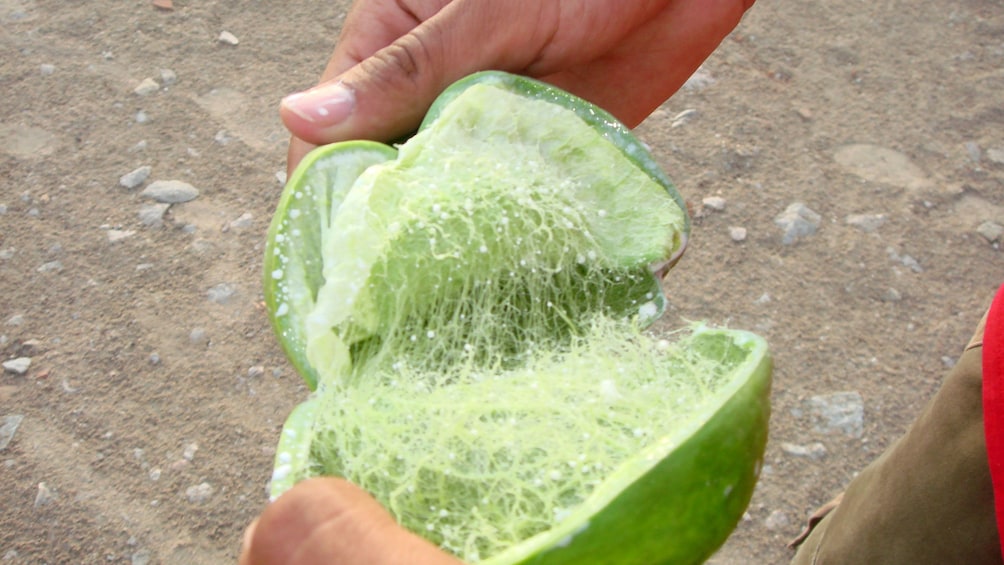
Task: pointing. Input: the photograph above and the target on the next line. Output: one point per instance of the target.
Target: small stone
(190, 451)
(154, 358)
(683, 117)
(891, 295)
(838, 412)
(166, 5)
(136, 177)
(18, 366)
(199, 493)
(716, 203)
(243, 222)
(700, 80)
(974, 151)
(256, 371)
(198, 336)
(221, 293)
(154, 474)
(996, 156)
(142, 117)
(866, 222)
(170, 191)
(814, 451)
(222, 137)
(147, 87)
(47, 69)
(991, 231)
(797, 221)
(228, 38)
(281, 177)
(44, 496)
(140, 146)
(737, 233)
(777, 520)
(115, 236)
(15, 320)
(8, 427)
(141, 557)
(152, 215)
(804, 113)
(168, 77)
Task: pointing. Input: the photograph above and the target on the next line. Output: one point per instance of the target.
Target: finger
(656, 60)
(371, 25)
(324, 521)
(245, 555)
(386, 95)
(295, 153)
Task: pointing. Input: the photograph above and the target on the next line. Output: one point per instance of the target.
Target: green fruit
(469, 310)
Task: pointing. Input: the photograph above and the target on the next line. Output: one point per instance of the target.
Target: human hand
(329, 521)
(395, 56)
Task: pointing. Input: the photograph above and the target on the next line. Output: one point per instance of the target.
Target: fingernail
(324, 105)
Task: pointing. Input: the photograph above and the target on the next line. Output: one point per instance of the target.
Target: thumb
(327, 520)
(386, 95)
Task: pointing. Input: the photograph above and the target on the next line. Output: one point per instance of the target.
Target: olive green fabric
(928, 498)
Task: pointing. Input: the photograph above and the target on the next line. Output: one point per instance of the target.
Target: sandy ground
(155, 390)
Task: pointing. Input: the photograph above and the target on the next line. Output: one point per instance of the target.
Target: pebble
(700, 80)
(838, 412)
(9, 428)
(995, 156)
(142, 117)
(777, 520)
(737, 233)
(797, 221)
(905, 260)
(243, 222)
(716, 203)
(198, 336)
(221, 293)
(47, 69)
(170, 191)
(255, 371)
(281, 177)
(146, 87)
(199, 493)
(814, 450)
(973, 151)
(190, 451)
(17, 366)
(15, 320)
(135, 178)
(892, 295)
(228, 38)
(867, 223)
(141, 557)
(991, 231)
(168, 77)
(44, 496)
(115, 236)
(683, 117)
(152, 215)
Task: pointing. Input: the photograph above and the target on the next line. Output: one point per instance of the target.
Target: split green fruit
(470, 311)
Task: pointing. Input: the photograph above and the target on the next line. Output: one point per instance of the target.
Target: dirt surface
(156, 390)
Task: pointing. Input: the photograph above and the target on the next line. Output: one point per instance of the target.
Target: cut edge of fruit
(285, 255)
(756, 367)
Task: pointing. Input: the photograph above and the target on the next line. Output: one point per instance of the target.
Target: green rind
(292, 256)
(292, 455)
(676, 503)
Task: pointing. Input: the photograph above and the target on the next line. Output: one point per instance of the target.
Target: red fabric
(993, 401)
